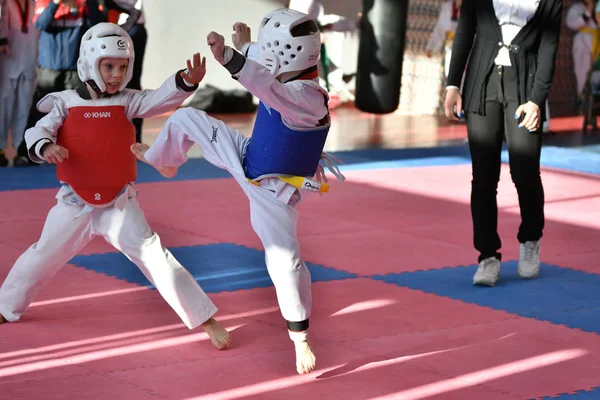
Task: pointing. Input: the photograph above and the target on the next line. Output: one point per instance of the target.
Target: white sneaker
(487, 272)
(529, 260)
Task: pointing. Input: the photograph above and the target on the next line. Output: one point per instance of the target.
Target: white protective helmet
(101, 41)
(289, 41)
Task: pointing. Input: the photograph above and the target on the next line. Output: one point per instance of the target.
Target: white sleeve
(344, 25)
(46, 129)
(438, 36)
(301, 104)
(251, 51)
(574, 19)
(149, 103)
(338, 23)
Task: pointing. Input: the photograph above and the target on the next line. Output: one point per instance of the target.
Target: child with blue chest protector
(280, 162)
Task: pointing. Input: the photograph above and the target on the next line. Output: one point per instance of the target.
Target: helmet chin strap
(96, 89)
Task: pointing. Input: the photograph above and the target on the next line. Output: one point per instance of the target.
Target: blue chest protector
(275, 149)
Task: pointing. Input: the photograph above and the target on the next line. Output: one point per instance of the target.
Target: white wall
(177, 32)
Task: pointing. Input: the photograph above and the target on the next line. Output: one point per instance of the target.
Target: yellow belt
(595, 32)
(449, 37)
(301, 183)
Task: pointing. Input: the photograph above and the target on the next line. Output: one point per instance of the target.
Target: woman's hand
(453, 99)
(532, 116)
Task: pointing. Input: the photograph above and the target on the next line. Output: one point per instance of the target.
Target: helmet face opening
(306, 28)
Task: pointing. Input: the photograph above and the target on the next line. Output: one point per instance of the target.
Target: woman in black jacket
(511, 49)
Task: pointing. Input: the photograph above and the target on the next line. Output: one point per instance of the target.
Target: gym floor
(390, 251)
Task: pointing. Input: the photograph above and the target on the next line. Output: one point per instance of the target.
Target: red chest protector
(100, 161)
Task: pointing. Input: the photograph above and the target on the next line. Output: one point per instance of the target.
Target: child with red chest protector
(87, 133)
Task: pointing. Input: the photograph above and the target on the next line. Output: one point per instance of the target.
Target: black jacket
(532, 52)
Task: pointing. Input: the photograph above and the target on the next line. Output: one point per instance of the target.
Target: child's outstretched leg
(140, 149)
(128, 231)
(63, 236)
(221, 145)
(275, 224)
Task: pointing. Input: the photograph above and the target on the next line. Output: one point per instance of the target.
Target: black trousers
(139, 37)
(486, 134)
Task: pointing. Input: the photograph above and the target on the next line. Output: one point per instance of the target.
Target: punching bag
(380, 53)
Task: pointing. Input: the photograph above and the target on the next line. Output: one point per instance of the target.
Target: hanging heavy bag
(380, 53)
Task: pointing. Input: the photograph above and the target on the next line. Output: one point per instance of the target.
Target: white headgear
(289, 41)
(101, 41)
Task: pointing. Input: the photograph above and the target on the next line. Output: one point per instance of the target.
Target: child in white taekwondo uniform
(18, 60)
(88, 134)
(275, 166)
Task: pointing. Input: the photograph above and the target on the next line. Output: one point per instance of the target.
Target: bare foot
(305, 358)
(219, 337)
(2, 320)
(139, 149)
